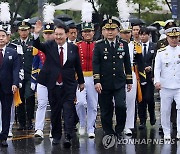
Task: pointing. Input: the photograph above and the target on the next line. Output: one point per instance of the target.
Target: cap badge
(48, 26)
(110, 21)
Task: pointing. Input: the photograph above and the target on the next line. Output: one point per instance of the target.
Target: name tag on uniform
(10, 57)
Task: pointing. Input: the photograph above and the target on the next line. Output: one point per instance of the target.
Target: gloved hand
(20, 85)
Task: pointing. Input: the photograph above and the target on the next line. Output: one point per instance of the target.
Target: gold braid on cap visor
(173, 33)
(110, 26)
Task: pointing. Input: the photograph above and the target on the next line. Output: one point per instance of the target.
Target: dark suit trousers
(6, 103)
(107, 107)
(25, 111)
(148, 100)
(59, 101)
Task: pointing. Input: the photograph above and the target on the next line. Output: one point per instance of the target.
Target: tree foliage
(25, 8)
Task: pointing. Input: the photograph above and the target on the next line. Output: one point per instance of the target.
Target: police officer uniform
(112, 69)
(27, 95)
(87, 98)
(166, 72)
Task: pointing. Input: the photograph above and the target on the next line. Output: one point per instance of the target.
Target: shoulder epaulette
(161, 49)
(99, 41)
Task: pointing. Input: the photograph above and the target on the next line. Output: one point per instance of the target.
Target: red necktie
(59, 80)
(1, 56)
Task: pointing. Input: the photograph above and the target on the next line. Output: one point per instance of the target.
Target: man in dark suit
(9, 81)
(112, 71)
(147, 89)
(62, 62)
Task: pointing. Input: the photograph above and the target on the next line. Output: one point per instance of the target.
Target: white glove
(20, 85)
(33, 86)
(21, 74)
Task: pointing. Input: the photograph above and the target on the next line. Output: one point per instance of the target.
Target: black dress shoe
(55, 141)
(67, 141)
(21, 127)
(4, 143)
(142, 126)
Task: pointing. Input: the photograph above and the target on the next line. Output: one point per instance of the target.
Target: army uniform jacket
(167, 67)
(112, 66)
(27, 57)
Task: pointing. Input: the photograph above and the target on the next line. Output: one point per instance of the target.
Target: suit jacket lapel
(55, 53)
(69, 51)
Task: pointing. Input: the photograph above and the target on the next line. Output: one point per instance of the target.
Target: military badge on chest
(121, 47)
(105, 53)
(121, 52)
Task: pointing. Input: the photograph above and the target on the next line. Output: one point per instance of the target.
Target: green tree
(25, 8)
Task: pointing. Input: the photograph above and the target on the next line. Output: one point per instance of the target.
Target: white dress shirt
(64, 52)
(3, 52)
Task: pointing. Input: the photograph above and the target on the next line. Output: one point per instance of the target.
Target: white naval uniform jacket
(167, 67)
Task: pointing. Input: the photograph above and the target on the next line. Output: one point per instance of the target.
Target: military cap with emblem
(48, 17)
(123, 9)
(173, 31)
(86, 18)
(5, 17)
(23, 25)
(111, 23)
(169, 23)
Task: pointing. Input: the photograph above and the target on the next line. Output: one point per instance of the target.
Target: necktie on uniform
(1, 56)
(145, 50)
(59, 80)
(23, 43)
(112, 45)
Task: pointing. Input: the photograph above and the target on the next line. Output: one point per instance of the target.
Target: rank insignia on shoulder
(98, 41)
(161, 49)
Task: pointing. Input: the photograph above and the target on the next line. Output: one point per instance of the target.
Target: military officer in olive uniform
(112, 71)
(27, 95)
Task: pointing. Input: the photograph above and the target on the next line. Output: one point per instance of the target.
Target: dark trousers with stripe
(107, 106)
